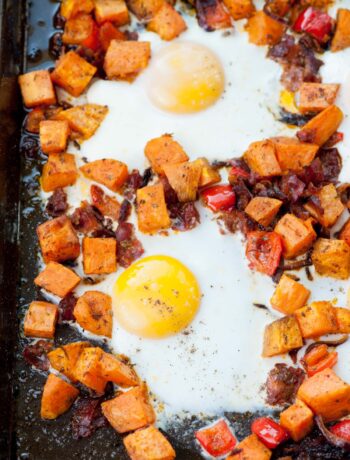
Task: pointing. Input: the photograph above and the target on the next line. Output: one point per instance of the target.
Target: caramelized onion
(329, 343)
(331, 437)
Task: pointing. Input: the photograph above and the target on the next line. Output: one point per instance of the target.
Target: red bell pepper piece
(342, 429)
(269, 432)
(92, 41)
(219, 197)
(217, 439)
(239, 172)
(109, 32)
(264, 250)
(314, 22)
(326, 363)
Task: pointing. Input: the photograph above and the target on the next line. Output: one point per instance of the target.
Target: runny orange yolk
(156, 297)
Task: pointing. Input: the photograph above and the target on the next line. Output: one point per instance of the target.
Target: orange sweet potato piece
(209, 175)
(58, 279)
(293, 155)
(93, 312)
(331, 258)
(37, 88)
(144, 9)
(78, 29)
(148, 444)
(167, 23)
(73, 73)
(99, 255)
(330, 203)
(107, 205)
(53, 135)
(212, 15)
(297, 235)
(110, 173)
(129, 411)
(320, 128)
(88, 369)
(70, 8)
(326, 394)
(59, 171)
(240, 9)
(343, 320)
(289, 295)
(40, 320)
(84, 119)
(317, 319)
(124, 60)
(263, 209)
(115, 370)
(281, 336)
(251, 449)
(107, 33)
(57, 397)
(315, 97)
(163, 150)
(115, 11)
(263, 30)
(58, 240)
(345, 232)
(152, 213)
(298, 420)
(341, 38)
(65, 358)
(261, 158)
(184, 179)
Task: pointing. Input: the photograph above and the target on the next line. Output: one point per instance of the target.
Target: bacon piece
(129, 247)
(282, 384)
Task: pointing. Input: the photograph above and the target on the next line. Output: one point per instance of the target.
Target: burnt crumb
(57, 203)
(309, 274)
(260, 305)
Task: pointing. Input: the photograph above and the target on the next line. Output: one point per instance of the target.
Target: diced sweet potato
(341, 38)
(53, 135)
(293, 155)
(263, 30)
(163, 150)
(148, 444)
(58, 240)
(70, 8)
(209, 175)
(261, 158)
(343, 320)
(110, 173)
(251, 449)
(65, 358)
(281, 336)
(99, 255)
(297, 235)
(212, 15)
(263, 209)
(111, 10)
(40, 320)
(167, 23)
(59, 171)
(315, 97)
(320, 128)
(281, 7)
(152, 213)
(115, 370)
(316, 319)
(78, 29)
(184, 179)
(88, 369)
(332, 258)
(326, 394)
(93, 312)
(107, 33)
(289, 295)
(124, 60)
(144, 9)
(73, 73)
(129, 411)
(39, 114)
(240, 9)
(37, 88)
(331, 205)
(107, 205)
(345, 232)
(58, 279)
(298, 420)
(57, 397)
(84, 119)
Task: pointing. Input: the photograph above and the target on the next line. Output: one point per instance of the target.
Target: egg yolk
(156, 297)
(185, 77)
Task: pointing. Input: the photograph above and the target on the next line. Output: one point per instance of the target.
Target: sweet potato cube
(315, 97)
(57, 397)
(78, 29)
(212, 15)
(184, 179)
(240, 9)
(152, 213)
(93, 312)
(37, 88)
(53, 135)
(124, 60)
(316, 319)
(115, 370)
(293, 155)
(59, 171)
(343, 320)
(129, 411)
(326, 394)
(209, 175)
(58, 240)
(84, 119)
(110, 173)
(261, 158)
(70, 8)
(331, 205)
(58, 279)
(345, 232)
(167, 23)
(144, 9)
(65, 358)
(341, 38)
(163, 150)
(40, 320)
(115, 11)
(297, 235)
(263, 30)
(99, 255)
(320, 128)
(73, 73)
(281, 336)
(88, 369)
(263, 209)
(148, 444)
(331, 258)
(289, 295)
(298, 420)
(251, 449)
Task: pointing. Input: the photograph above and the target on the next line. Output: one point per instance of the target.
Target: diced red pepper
(342, 429)
(217, 439)
(314, 22)
(269, 432)
(326, 363)
(264, 250)
(236, 171)
(315, 355)
(93, 41)
(219, 197)
(109, 32)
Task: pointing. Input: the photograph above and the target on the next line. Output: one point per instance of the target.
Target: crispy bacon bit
(331, 164)
(133, 182)
(107, 205)
(87, 417)
(312, 173)
(146, 177)
(129, 247)
(36, 355)
(282, 384)
(185, 216)
(169, 192)
(211, 15)
(333, 140)
(57, 203)
(235, 221)
(86, 219)
(306, 135)
(243, 195)
(66, 308)
(292, 187)
(125, 210)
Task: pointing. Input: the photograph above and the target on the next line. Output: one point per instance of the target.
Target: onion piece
(332, 438)
(329, 343)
